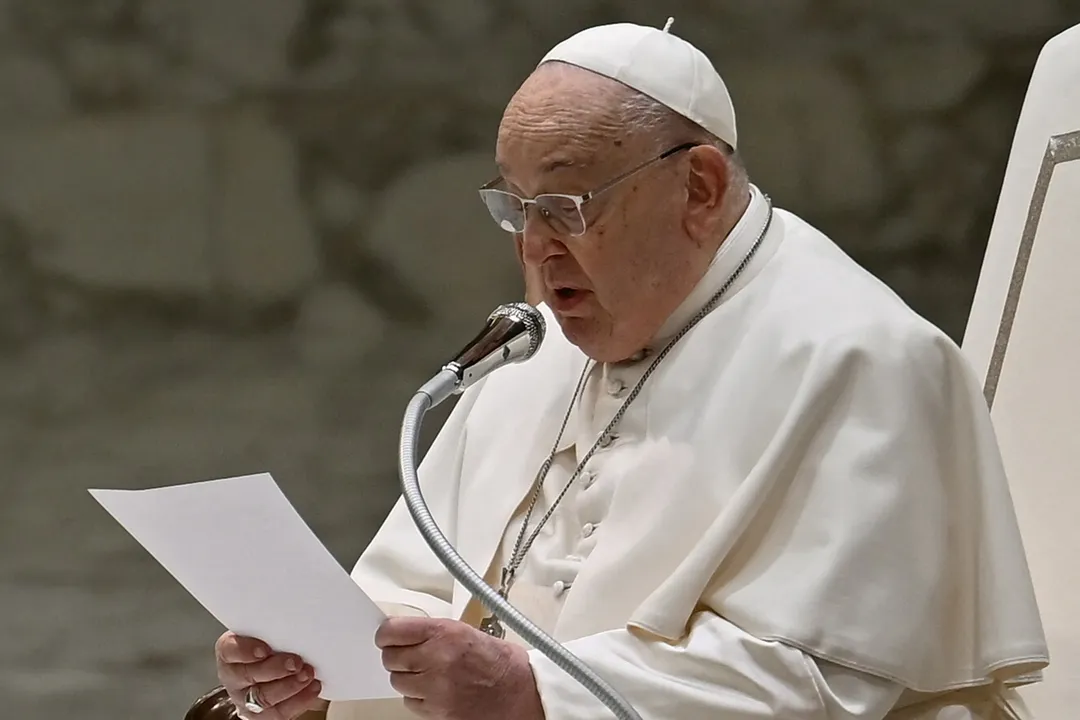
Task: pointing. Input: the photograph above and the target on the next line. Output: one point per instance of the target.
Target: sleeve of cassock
(715, 671)
(398, 569)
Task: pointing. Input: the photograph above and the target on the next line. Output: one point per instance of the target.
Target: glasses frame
(579, 201)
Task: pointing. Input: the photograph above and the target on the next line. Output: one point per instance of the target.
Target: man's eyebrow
(557, 162)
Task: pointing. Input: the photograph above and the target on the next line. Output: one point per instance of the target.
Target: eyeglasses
(562, 212)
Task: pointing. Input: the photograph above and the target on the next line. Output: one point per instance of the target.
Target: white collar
(724, 263)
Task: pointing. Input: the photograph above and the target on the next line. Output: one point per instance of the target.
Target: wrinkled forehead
(563, 120)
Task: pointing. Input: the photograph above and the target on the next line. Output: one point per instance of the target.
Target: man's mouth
(565, 299)
(566, 293)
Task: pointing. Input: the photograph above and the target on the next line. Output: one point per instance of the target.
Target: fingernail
(305, 676)
(291, 665)
(260, 652)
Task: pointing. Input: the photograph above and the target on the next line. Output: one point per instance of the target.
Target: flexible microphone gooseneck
(513, 334)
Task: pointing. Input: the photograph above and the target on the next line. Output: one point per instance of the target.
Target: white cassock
(803, 515)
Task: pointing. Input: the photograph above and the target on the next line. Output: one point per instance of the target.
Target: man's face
(613, 286)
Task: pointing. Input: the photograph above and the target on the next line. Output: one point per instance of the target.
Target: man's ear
(707, 183)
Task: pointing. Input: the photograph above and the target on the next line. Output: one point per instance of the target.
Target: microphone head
(531, 319)
(513, 333)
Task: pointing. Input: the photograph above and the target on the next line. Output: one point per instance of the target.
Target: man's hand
(450, 671)
(284, 684)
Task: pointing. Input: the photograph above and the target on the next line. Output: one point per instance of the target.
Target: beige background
(236, 234)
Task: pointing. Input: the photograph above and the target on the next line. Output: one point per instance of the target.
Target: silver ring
(251, 701)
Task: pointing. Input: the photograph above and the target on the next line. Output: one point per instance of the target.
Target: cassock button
(587, 480)
(616, 387)
(560, 587)
(606, 440)
(587, 530)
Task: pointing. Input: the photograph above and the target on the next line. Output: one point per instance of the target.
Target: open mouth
(567, 298)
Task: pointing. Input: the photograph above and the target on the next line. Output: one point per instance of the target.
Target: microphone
(513, 333)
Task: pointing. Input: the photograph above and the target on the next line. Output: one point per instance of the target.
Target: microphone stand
(436, 390)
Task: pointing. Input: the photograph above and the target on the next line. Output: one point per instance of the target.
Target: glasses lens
(506, 209)
(562, 212)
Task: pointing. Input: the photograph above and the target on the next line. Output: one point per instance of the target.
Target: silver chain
(521, 545)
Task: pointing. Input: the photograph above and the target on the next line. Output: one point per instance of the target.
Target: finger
(289, 709)
(243, 675)
(233, 648)
(415, 706)
(276, 692)
(404, 659)
(411, 685)
(306, 700)
(405, 631)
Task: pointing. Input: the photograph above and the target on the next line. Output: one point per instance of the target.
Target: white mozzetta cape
(813, 462)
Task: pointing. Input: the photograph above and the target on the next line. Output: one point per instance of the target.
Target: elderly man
(741, 479)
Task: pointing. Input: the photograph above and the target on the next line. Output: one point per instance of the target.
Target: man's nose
(538, 241)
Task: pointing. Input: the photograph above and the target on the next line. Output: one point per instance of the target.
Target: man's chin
(590, 338)
(579, 330)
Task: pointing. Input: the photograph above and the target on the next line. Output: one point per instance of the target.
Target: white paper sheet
(241, 549)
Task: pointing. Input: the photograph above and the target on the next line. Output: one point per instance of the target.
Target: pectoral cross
(491, 624)
(492, 627)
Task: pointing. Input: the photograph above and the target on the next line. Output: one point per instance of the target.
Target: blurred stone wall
(236, 234)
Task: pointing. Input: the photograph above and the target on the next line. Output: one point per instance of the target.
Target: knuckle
(299, 682)
(244, 675)
(229, 680)
(435, 659)
(222, 644)
(448, 654)
(445, 687)
(278, 694)
(421, 709)
(223, 675)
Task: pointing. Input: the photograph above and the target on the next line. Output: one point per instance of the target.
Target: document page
(241, 549)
